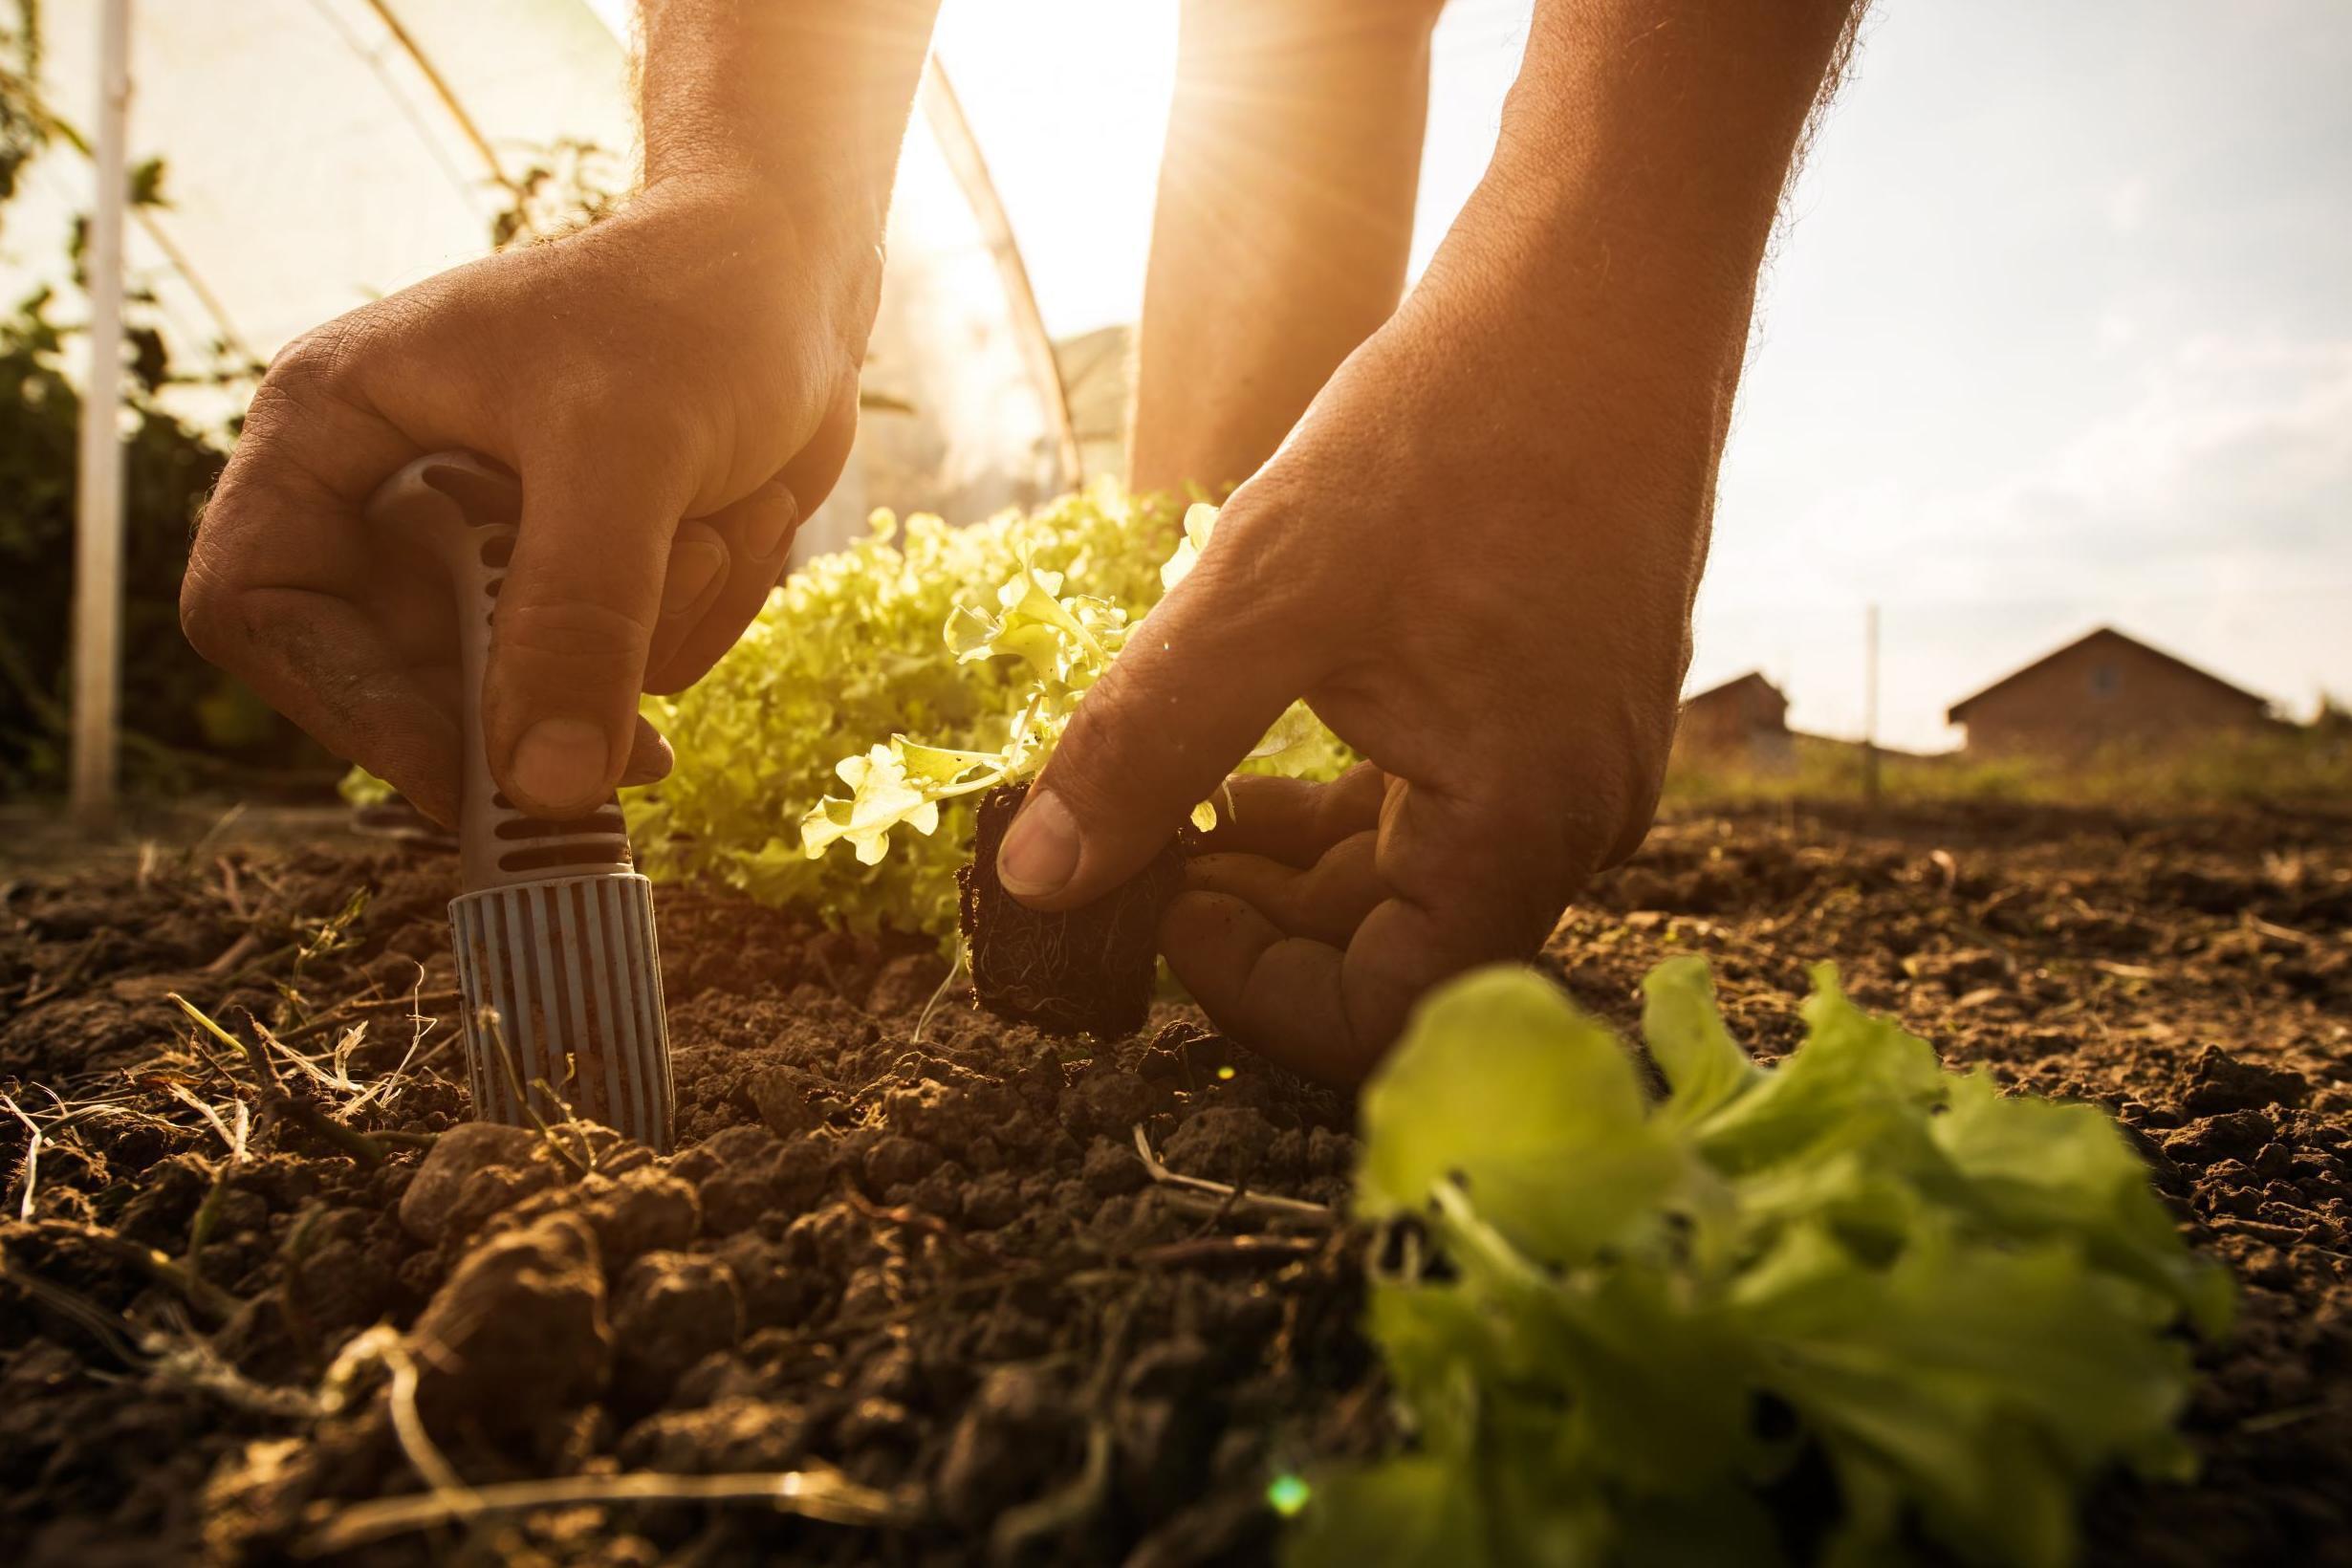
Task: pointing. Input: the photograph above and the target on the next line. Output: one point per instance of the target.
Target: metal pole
(97, 553)
(1870, 706)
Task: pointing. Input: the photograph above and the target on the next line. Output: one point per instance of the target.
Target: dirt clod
(456, 1155)
(1110, 1103)
(672, 1310)
(894, 1162)
(518, 1335)
(2219, 1082)
(1224, 1142)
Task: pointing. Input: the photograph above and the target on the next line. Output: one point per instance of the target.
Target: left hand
(1475, 558)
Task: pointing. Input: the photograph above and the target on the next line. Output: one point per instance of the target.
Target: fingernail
(1040, 851)
(560, 764)
(692, 569)
(774, 509)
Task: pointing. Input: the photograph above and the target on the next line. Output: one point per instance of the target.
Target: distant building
(1743, 720)
(2104, 689)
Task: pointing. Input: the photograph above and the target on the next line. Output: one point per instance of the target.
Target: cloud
(2228, 448)
(2233, 449)
(2208, 509)
(2129, 203)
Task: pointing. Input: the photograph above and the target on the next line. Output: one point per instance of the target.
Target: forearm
(802, 100)
(1641, 160)
(1284, 217)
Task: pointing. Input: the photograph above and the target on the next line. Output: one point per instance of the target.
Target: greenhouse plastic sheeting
(311, 164)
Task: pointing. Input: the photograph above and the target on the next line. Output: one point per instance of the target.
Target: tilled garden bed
(938, 1265)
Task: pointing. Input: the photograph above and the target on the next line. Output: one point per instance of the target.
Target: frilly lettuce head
(977, 641)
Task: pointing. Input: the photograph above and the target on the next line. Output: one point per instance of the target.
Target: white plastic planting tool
(555, 930)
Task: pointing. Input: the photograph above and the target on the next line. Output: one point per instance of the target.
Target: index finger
(576, 619)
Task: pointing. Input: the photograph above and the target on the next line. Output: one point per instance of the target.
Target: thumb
(1201, 679)
(574, 625)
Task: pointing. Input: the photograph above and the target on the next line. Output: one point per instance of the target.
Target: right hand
(677, 387)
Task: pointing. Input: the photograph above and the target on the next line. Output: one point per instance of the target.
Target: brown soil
(1076, 971)
(940, 1266)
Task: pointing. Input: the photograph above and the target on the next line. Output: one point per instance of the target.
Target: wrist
(718, 236)
(795, 107)
(832, 201)
(828, 220)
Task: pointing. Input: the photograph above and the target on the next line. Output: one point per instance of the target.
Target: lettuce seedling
(1083, 970)
(1064, 642)
(873, 639)
(1850, 1309)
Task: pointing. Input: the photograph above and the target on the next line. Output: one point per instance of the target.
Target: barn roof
(1958, 713)
(1716, 693)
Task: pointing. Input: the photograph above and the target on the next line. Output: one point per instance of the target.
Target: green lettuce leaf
(1621, 1332)
(1031, 660)
(1501, 1086)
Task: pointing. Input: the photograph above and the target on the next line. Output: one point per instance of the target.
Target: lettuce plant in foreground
(1852, 1309)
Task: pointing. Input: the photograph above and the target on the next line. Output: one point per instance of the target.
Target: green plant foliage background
(182, 721)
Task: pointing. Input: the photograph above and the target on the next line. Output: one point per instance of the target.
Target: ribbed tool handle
(464, 510)
(553, 935)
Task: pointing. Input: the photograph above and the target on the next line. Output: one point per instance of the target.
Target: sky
(2057, 332)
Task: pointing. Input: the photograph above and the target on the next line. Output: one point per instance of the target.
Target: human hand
(1475, 558)
(677, 388)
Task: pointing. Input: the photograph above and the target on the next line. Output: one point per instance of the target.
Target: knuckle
(1269, 579)
(601, 412)
(571, 635)
(323, 362)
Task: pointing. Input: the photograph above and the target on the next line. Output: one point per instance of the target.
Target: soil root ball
(1077, 972)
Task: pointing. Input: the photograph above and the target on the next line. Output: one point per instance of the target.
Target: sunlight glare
(1069, 99)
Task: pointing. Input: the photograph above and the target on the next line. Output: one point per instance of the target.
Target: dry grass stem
(33, 1156)
(963, 954)
(1230, 1198)
(821, 1495)
(496, 1027)
(359, 1146)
